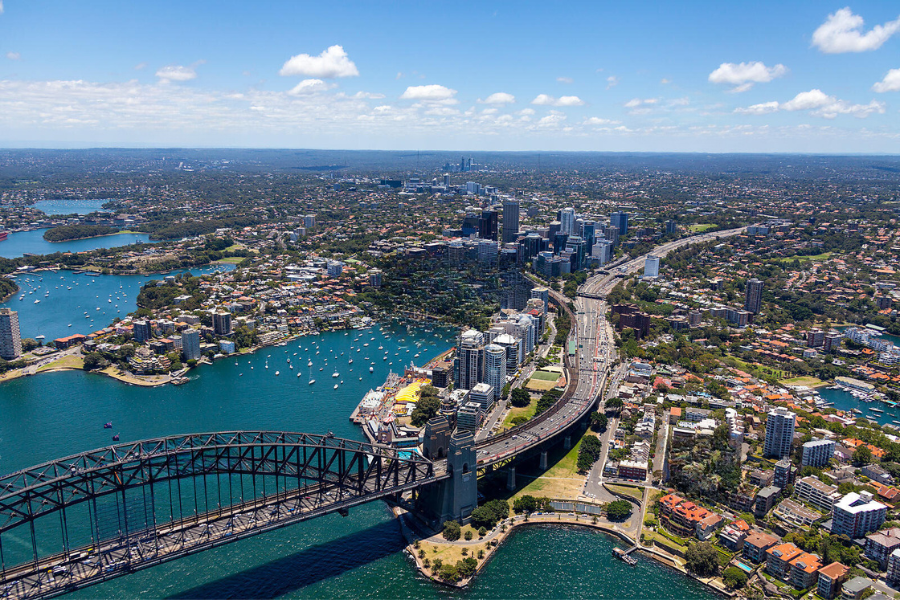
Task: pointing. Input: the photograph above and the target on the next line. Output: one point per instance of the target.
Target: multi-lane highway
(586, 370)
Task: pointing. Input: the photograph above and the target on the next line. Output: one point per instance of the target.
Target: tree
(28, 344)
(618, 510)
(449, 573)
(734, 578)
(702, 559)
(519, 398)
(93, 360)
(862, 455)
(428, 405)
(468, 535)
(452, 531)
(487, 515)
(599, 421)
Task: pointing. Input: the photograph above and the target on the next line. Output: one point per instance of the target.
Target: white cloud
(498, 98)
(545, 100)
(819, 104)
(140, 66)
(551, 120)
(744, 75)
(311, 86)
(526, 111)
(890, 83)
(842, 32)
(612, 81)
(569, 101)
(758, 109)
(680, 101)
(599, 121)
(430, 93)
(1, 7)
(565, 80)
(176, 73)
(330, 64)
(636, 102)
(13, 55)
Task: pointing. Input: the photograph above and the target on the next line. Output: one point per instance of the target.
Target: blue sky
(690, 76)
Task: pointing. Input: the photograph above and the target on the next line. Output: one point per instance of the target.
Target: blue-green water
(72, 295)
(70, 207)
(33, 242)
(846, 401)
(57, 414)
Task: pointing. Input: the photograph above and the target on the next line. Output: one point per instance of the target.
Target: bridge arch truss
(86, 518)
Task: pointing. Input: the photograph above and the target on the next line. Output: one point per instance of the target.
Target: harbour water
(70, 207)
(32, 242)
(844, 400)
(71, 295)
(53, 415)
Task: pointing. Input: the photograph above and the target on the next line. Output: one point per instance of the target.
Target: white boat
(335, 374)
(37, 301)
(335, 386)
(70, 324)
(351, 362)
(309, 364)
(312, 381)
(371, 369)
(277, 373)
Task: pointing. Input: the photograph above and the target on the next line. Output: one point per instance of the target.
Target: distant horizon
(454, 150)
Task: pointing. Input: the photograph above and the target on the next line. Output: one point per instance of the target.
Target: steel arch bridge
(80, 520)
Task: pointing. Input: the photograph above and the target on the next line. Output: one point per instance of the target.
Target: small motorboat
(107, 425)
(116, 438)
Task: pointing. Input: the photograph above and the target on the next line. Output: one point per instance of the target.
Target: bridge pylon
(455, 498)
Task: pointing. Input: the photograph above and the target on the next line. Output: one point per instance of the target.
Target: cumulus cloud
(842, 32)
(545, 100)
(890, 83)
(330, 64)
(311, 86)
(498, 98)
(758, 109)
(13, 55)
(1, 7)
(597, 121)
(176, 73)
(140, 66)
(430, 93)
(744, 75)
(565, 79)
(819, 104)
(636, 102)
(612, 81)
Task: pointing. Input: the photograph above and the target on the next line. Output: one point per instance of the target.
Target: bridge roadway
(589, 368)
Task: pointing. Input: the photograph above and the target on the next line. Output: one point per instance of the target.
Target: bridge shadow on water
(314, 564)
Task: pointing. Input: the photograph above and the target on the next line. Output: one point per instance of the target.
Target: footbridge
(83, 519)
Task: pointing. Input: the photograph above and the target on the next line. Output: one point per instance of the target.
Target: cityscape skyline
(695, 78)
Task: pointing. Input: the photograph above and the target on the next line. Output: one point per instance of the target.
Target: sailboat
(311, 380)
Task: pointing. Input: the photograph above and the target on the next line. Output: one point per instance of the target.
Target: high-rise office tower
(487, 224)
(753, 301)
(779, 432)
(671, 227)
(567, 220)
(446, 180)
(651, 266)
(589, 233)
(470, 353)
(10, 337)
(619, 220)
(510, 220)
(495, 368)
